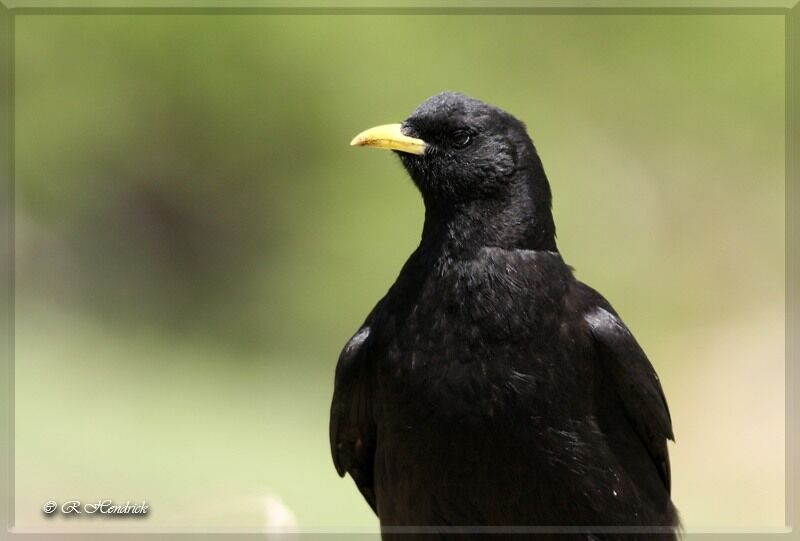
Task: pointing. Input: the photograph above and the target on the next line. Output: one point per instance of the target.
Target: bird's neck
(462, 231)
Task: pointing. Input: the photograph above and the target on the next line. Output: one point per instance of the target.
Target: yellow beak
(389, 137)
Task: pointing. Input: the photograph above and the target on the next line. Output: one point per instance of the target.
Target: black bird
(490, 387)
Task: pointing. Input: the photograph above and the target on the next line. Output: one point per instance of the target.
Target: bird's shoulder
(635, 381)
(352, 428)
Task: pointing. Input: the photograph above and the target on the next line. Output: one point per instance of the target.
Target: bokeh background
(195, 241)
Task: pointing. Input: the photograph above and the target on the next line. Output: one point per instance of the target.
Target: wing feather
(352, 427)
(636, 383)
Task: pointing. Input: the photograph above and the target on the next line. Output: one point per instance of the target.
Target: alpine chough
(489, 387)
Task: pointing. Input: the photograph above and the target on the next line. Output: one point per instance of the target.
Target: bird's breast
(472, 344)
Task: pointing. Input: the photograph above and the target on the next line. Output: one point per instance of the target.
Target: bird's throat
(461, 232)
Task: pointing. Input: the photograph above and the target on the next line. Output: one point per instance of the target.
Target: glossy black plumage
(490, 386)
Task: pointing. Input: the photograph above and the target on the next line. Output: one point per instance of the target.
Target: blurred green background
(195, 241)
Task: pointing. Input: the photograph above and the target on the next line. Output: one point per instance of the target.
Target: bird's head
(466, 156)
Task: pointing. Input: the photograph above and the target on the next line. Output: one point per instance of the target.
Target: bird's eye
(461, 139)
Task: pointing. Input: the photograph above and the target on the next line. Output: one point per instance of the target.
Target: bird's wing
(636, 383)
(352, 428)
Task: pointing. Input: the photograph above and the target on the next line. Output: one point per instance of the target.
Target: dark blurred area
(176, 215)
